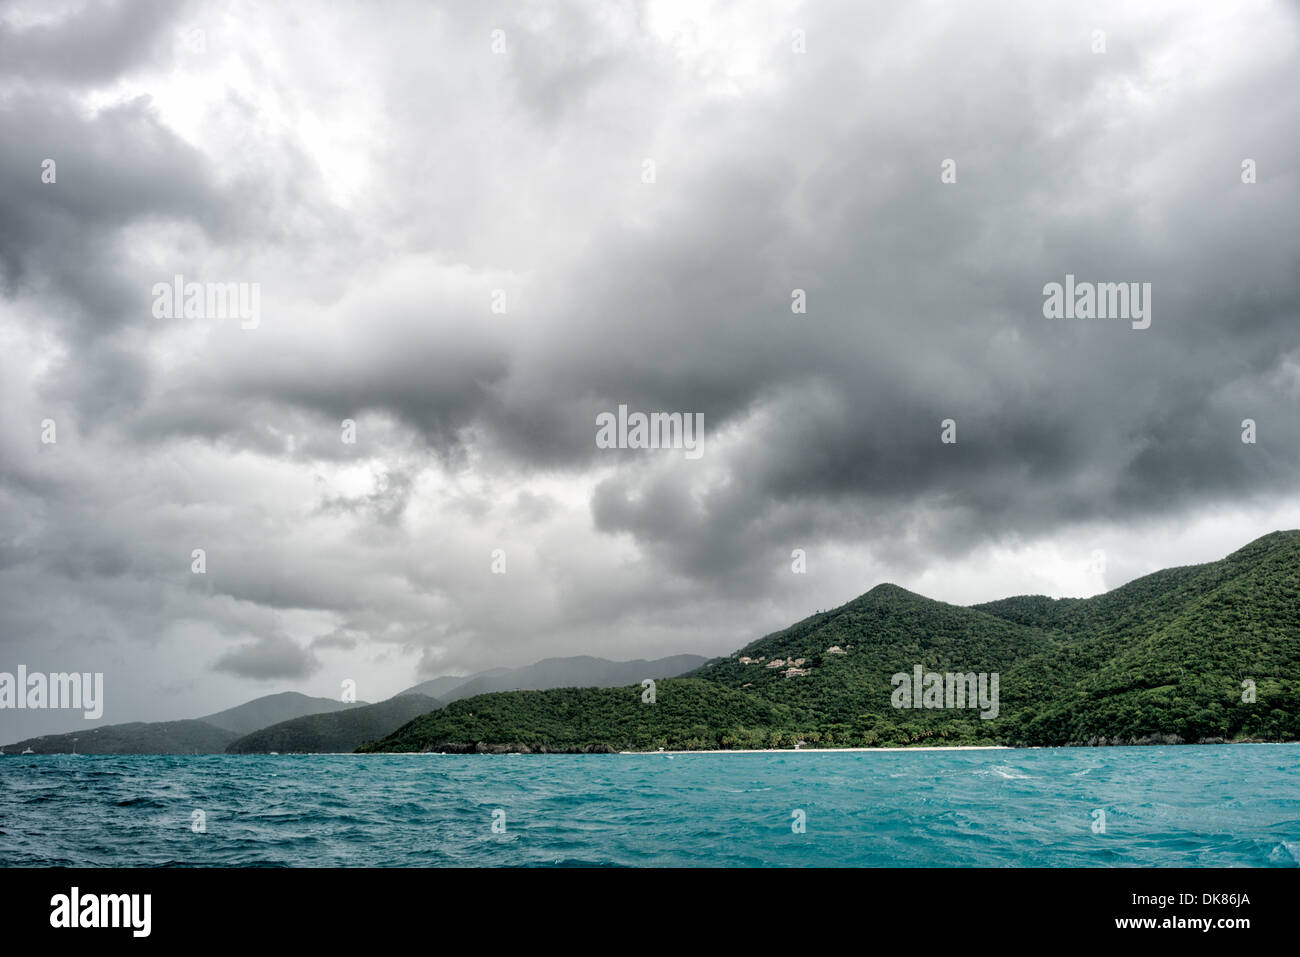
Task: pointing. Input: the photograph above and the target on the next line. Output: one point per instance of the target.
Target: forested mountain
(135, 737)
(336, 731)
(1206, 652)
(207, 735)
(273, 708)
(579, 671)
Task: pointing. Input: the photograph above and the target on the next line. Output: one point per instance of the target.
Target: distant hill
(336, 731)
(272, 709)
(583, 719)
(136, 737)
(441, 688)
(289, 721)
(208, 735)
(582, 671)
(1159, 660)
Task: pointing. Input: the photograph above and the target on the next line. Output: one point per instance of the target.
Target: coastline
(924, 747)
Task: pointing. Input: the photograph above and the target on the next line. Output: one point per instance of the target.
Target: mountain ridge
(1171, 656)
(291, 721)
(334, 732)
(573, 671)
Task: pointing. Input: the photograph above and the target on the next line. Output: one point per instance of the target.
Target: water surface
(1217, 806)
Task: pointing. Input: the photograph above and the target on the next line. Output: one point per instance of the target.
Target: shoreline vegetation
(1199, 654)
(516, 749)
(505, 750)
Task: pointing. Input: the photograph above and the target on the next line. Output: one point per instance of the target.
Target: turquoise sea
(1212, 806)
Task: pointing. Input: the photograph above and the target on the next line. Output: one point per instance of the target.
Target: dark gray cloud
(273, 657)
(93, 43)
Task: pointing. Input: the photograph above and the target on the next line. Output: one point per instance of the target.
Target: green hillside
(273, 708)
(207, 735)
(136, 737)
(1161, 659)
(844, 699)
(579, 671)
(686, 713)
(1167, 655)
(337, 731)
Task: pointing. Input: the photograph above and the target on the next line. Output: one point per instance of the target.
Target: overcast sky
(380, 169)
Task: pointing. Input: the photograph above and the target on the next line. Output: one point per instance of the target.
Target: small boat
(28, 751)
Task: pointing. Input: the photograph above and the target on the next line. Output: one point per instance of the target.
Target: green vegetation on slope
(579, 671)
(273, 708)
(1167, 655)
(136, 737)
(850, 654)
(336, 731)
(687, 713)
(1162, 658)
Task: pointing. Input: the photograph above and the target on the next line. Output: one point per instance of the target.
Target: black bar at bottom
(331, 907)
